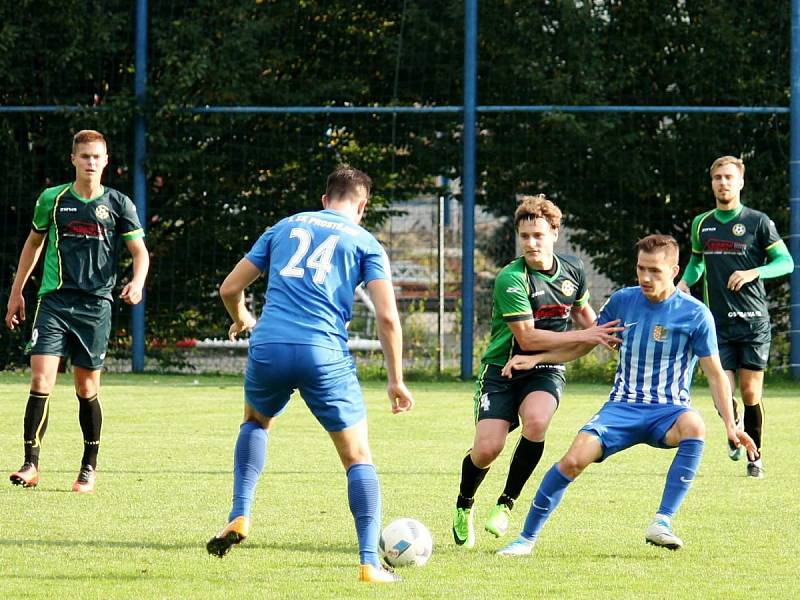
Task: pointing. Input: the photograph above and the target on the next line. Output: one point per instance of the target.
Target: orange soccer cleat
(87, 477)
(27, 476)
(233, 533)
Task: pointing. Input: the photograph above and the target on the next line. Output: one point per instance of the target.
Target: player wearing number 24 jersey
(314, 261)
(313, 308)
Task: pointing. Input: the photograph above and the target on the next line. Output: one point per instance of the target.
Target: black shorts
(498, 397)
(74, 324)
(744, 344)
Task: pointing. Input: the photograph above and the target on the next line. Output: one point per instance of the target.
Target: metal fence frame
(469, 109)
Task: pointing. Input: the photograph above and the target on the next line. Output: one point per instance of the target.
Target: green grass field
(164, 483)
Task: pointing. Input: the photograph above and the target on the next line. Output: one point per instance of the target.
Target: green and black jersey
(728, 241)
(521, 293)
(84, 238)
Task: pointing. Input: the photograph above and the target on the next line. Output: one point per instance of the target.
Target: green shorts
(74, 324)
(744, 345)
(498, 397)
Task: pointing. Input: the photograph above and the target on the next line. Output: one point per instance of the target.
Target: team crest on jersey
(567, 287)
(738, 229)
(659, 333)
(101, 211)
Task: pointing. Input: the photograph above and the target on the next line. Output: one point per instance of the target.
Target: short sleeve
(511, 296)
(128, 224)
(43, 212)
(769, 233)
(375, 263)
(259, 254)
(703, 338)
(582, 293)
(610, 310)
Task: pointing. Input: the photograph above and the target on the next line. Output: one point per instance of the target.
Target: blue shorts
(620, 425)
(326, 379)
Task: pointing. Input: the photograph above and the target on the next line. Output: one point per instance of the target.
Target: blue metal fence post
(468, 184)
(794, 194)
(139, 179)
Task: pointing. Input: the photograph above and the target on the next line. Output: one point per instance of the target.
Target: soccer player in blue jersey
(666, 333)
(314, 261)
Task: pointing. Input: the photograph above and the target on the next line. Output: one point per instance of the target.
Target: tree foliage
(215, 180)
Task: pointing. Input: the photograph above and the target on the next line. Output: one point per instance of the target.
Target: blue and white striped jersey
(314, 261)
(660, 345)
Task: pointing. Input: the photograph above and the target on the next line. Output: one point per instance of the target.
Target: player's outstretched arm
(15, 312)
(566, 353)
(132, 292)
(232, 293)
(721, 393)
(390, 335)
(531, 339)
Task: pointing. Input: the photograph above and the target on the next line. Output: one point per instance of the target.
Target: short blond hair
(727, 160)
(87, 136)
(537, 207)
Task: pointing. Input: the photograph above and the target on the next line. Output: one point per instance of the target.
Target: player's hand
(683, 286)
(604, 334)
(239, 327)
(738, 438)
(400, 397)
(519, 362)
(739, 278)
(16, 311)
(131, 293)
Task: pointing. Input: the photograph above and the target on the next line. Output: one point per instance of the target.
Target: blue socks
(548, 496)
(249, 457)
(680, 475)
(364, 495)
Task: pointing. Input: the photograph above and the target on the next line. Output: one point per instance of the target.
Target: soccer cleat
(233, 533)
(377, 574)
(463, 528)
(735, 452)
(87, 477)
(497, 523)
(659, 533)
(755, 469)
(519, 547)
(27, 476)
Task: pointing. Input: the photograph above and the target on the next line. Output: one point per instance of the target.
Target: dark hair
(657, 242)
(537, 207)
(346, 179)
(87, 136)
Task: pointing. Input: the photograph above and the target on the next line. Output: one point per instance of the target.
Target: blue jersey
(660, 345)
(314, 261)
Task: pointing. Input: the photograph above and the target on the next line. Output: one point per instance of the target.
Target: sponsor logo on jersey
(537, 293)
(724, 247)
(748, 314)
(67, 209)
(83, 229)
(705, 229)
(738, 229)
(567, 287)
(101, 212)
(552, 311)
(659, 333)
(513, 290)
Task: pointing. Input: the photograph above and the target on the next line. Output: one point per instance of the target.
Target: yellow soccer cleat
(373, 574)
(233, 533)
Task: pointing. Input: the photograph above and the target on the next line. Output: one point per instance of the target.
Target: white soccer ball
(406, 542)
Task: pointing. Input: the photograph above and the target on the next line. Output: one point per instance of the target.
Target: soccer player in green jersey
(736, 248)
(535, 296)
(80, 227)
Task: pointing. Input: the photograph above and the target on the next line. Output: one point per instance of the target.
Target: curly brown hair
(537, 207)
